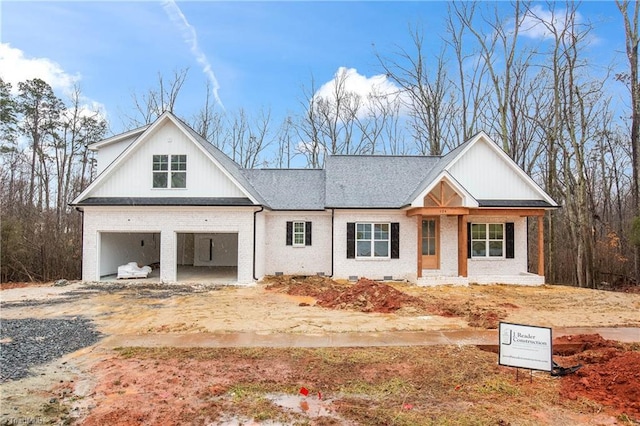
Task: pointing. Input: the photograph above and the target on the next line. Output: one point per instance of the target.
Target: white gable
(133, 176)
(466, 199)
(489, 174)
(107, 154)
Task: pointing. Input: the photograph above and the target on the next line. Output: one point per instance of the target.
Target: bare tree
(632, 79)
(156, 100)
(426, 94)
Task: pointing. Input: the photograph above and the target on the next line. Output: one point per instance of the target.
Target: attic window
(169, 174)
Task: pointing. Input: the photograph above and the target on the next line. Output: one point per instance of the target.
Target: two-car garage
(186, 244)
(200, 257)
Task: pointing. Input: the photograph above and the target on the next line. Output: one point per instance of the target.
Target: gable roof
(226, 165)
(347, 181)
(447, 161)
(224, 161)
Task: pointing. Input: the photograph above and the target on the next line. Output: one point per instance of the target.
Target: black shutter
(289, 233)
(509, 243)
(468, 240)
(307, 233)
(351, 240)
(395, 240)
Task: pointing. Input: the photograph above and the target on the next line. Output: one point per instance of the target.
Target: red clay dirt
(373, 296)
(610, 374)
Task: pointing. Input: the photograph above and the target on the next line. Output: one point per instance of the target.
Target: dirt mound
(610, 374)
(364, 296)
(369, 296)
(297, 285)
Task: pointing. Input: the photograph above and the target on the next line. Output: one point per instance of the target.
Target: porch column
(462, 245)
(541, 245)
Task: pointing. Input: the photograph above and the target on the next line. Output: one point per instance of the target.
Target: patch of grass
(396, 388)
(498, 386)
(432, 385)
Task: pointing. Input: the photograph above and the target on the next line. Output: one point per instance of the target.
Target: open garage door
(207, 257)
(120, 248)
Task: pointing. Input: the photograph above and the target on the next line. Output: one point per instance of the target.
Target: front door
(430, 243)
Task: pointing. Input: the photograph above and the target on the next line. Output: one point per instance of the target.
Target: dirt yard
(114, 383)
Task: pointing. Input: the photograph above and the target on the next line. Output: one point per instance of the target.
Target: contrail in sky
(191, 38)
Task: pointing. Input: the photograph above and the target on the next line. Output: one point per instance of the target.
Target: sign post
(525, 346)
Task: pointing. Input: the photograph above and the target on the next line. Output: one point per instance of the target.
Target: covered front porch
(462, 246)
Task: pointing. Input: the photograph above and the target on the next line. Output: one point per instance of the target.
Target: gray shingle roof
(289, 189)
(374, 181)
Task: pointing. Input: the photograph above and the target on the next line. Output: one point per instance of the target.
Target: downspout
(81, 238)
(332, 238)
(254, 241)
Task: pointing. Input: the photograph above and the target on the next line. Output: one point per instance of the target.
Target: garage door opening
(207, 258)
(120, 248)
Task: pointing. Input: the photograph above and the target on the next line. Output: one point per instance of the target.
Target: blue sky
(260, 54)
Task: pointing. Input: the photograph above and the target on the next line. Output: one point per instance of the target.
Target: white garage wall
(168, 222)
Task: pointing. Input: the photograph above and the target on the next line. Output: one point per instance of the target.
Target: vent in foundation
(320, 274)
(353, 278)
(388, 278)
(278, 274)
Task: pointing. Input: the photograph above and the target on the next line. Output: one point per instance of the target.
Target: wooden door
(430, 243)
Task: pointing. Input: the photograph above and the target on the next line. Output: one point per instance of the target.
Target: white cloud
(533, 24)
(15, 67)
(191, 38)
(368, 89)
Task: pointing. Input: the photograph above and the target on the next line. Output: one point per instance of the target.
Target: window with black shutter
(298, 233)
(373, 240)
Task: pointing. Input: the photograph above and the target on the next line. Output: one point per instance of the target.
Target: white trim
(117, 138)
(293, 233)
(373, 240)
(488, 240)
(467, 199)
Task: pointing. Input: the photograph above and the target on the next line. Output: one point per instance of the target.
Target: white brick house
(166, 196)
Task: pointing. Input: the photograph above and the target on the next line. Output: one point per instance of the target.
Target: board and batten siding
(405, 267)
(488, 177)
(290, 259)
(133, 178)
(167, 223)
(108, 153)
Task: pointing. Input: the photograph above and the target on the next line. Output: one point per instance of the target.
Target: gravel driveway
(28, 342)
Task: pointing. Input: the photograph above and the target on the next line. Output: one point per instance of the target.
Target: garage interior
(211, 257)
(200, 257)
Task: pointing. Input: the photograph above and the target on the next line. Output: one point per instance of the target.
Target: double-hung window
(169, 171)
(298, 233)
(487, 240)
(372, 239)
